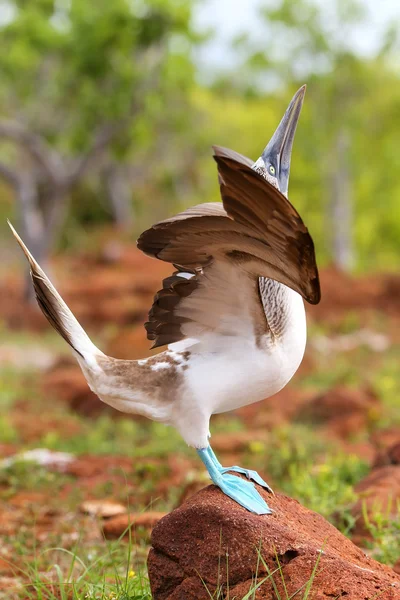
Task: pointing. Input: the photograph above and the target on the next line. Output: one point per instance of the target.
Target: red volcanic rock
(210, 540)
(384, 438)
(344, 411)
(389, 456)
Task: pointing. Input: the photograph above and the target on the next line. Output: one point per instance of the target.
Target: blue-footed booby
(231, 315)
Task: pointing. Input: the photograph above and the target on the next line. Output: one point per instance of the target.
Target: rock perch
(210, 541)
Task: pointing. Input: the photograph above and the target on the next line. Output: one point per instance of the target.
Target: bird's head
(274, 163)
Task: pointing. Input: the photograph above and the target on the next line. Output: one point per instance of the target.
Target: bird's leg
(243, 492)
(253, 475)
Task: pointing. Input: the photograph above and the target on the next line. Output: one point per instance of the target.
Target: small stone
(103, 508)
(120, 525)
(40, 456)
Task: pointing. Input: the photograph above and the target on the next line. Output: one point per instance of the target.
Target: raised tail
(56, 311)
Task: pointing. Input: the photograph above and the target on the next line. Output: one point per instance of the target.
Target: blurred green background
(109, 110)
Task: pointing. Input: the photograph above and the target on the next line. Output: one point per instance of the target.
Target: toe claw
(254, 476)
(251, 475)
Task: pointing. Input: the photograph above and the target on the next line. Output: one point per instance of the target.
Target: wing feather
(255, 229)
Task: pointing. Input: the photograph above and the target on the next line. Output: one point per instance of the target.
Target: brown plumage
(256, 228)
(164, 326)
(53, 306)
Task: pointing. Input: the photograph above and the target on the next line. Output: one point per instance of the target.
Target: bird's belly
(223, 382)
(247, 383)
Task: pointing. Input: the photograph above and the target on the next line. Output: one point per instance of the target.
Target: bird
(231, 315)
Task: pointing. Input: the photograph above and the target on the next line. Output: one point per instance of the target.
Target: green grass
(386, 382)
(28, 475)
(124, 436)
(328, 488)
(83, 573)
(384, 528)
(14, 384)
(306, 466)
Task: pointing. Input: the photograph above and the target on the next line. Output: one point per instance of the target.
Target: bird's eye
(272, 169)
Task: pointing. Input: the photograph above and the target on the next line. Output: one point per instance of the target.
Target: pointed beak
(279, 149)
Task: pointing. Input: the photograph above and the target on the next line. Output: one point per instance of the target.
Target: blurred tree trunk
(119, 194)
(39, 217)
(340, 208)
(42, 187)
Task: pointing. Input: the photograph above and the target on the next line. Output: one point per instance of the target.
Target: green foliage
(285, 447)
(384, 529)
(347, 93)
(328, 488)
(386, 379)
(246, 123)
(10, 386)
(8, 433)
(302, 464)
(26, 474)
(123, 436)
(71, 67)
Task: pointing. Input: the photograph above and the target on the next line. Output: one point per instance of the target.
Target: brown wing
(190, 238)
(165, 325)
(256, 229)
(253, 202)
(221, 300)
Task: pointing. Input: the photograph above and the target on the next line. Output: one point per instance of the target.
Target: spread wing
(221, 248)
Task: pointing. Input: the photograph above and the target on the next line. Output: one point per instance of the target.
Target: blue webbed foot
(252, 475)
(243, 492)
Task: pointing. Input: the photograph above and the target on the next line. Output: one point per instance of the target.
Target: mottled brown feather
(163, 322)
